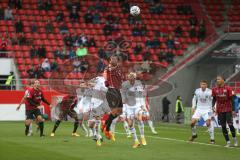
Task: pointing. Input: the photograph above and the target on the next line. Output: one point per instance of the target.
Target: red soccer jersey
(68, 102)
(114, 77)
(36, 95)
(223, 96)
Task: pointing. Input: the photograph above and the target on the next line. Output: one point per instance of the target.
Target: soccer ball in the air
(134, 10)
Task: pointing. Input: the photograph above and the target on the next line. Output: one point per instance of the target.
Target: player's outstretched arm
(213, 104)
(123, 93)
(21, 102)
(194, 103)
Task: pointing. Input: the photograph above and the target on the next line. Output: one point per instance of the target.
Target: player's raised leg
(113, 126)
(115, 112)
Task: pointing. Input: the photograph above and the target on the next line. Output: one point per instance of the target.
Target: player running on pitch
(34, 99)
(202, 108)
(66, 108)
(24, 100)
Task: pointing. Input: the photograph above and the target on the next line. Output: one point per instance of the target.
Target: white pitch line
(184, 141)
(188, 129)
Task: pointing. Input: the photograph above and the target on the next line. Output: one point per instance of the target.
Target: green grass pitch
(169, 144)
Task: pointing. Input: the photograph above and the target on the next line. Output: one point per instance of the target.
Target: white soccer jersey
(202, 99)
(100, 83)
(133, 95)
(99, 92)
(84, 104)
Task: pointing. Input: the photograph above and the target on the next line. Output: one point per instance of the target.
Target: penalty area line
(184, 141)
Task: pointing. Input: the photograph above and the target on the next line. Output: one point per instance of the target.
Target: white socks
(150, 123)
(83, 126)
(126, 127)
(211, 130)
(141, 128)
(134, 135)
(30, 128)
(97, 129)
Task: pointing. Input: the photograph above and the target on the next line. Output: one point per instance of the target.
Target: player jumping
(114, 77)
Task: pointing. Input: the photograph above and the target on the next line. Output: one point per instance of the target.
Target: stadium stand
(233, 16)
(215, 10)
(165, 23)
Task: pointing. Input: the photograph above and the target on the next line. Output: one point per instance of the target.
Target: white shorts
(85, 103)
(99, 111)
(132, 112)
(83, 106)
(124, 112)
(205, 114)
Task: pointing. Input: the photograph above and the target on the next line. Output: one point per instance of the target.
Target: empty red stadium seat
(21, 67)
(25, 81)
(23, 74)
(20, 61)
(28, 61)
(43, 81)
(47, 74)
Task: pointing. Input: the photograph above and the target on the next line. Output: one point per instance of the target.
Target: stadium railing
(235, 86)
(190, 55)
(3, 86)
(232, 27)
